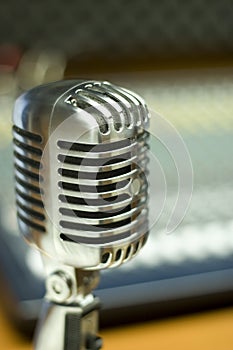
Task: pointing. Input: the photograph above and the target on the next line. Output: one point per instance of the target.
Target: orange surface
(207, 331)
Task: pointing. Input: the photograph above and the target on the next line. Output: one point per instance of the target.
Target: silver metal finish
(81, 190)
(59, 286)
(68, 327)
(80, 164)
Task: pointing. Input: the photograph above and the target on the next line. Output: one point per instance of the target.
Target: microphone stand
(69, 318)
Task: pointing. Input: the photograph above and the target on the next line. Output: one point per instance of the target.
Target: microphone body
(81, 193)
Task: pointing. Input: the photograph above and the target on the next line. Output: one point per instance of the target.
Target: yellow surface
(207, 331)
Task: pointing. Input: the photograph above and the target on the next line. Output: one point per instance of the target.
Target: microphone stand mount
(70, 312)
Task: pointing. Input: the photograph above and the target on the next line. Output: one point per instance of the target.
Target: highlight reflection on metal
(80, 164)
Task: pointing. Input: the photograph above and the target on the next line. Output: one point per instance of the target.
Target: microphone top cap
(117, 113)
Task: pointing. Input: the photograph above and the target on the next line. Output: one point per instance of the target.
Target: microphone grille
(80, 153)
(103, 194)
(27, 163)
(111, 105)
(102, 187)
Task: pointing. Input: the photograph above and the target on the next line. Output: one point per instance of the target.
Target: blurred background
(178, 55)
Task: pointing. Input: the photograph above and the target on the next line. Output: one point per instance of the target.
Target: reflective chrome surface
(68, 327)
(80, 165)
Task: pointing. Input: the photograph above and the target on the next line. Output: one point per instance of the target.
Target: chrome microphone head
(80, 152)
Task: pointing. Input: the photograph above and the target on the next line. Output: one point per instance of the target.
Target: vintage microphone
(80, 152)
